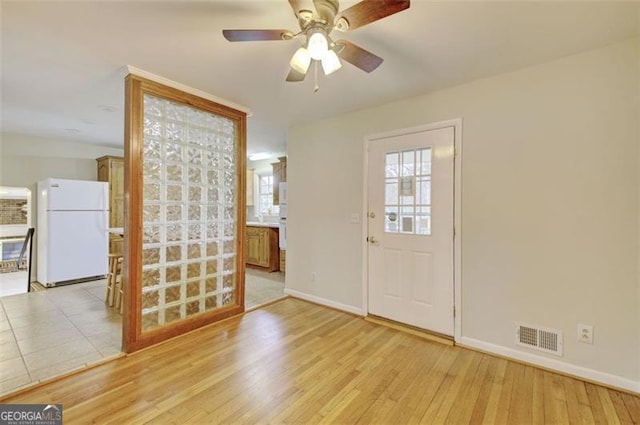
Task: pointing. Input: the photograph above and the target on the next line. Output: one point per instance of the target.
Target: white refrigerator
(72, 231)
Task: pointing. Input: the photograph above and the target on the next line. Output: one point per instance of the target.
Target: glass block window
(408, 192)
(189, 212)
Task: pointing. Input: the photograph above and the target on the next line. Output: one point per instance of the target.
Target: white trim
(457, 240)
(457, 214)
(553, 364)
(418, 129)
(365, 229)
(158, 79)
(324, 301)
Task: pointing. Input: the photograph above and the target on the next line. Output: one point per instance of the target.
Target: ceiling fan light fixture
(331, 62)
(317, 20)
(301, 60)
(318, 45)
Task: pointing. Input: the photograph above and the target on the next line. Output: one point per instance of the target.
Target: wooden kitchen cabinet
(279, 176)
(111, 170)
(262, 247)
(256, 249)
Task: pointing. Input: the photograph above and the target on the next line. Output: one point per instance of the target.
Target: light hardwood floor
(296, 362)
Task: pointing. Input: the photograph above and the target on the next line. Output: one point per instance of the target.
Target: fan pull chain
(315, 77)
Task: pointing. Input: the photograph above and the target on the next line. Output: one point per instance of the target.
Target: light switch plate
(355, 218)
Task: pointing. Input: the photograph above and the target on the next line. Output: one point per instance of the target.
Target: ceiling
(63, 62)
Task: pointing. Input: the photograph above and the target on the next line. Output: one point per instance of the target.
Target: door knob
(372, 240)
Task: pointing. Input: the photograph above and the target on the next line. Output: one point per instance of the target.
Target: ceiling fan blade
(295, 76)
(368, 11)
(255, 35)
(359, 57)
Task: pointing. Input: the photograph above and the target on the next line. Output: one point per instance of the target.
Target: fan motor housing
(326, 10)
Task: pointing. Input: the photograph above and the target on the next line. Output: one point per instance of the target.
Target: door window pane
(391, 219)
(423, 190)
(408, 192)
(423, 221)
(408, 163)
(391, 191)
(391, 164)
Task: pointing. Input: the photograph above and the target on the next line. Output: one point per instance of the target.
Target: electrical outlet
(314, 276)
(585, 333)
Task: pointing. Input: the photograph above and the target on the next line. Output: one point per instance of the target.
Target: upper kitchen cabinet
(111, 170)
(279, 176)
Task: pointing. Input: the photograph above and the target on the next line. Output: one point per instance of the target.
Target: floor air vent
(538, 338)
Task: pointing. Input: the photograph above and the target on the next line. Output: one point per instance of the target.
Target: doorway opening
(15, 221)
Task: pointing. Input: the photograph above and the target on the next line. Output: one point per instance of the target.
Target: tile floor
(262, 287)
(13, 283)
(47, 333)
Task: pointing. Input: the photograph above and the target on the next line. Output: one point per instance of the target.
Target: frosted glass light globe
(318, 46)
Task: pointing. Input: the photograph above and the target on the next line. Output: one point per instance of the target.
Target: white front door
(410, 229)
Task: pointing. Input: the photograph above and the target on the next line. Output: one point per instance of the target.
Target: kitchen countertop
(262, 224)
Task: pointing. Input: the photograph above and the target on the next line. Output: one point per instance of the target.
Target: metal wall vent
(539, 338)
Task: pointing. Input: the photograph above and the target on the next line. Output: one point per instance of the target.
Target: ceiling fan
(317, 28)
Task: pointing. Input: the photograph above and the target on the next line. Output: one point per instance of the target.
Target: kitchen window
(265, 201)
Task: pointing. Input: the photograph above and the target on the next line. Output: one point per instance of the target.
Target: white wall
(550, 193)
(25, 160)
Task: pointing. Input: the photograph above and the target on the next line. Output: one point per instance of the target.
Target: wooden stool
(115, 268)
(118, 303)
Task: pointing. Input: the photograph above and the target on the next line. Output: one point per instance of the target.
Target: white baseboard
(544, 362)
(324, 301)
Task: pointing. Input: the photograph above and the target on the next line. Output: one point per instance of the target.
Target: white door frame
(457, 216)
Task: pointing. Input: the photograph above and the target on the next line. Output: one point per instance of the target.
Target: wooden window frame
(132, 336)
